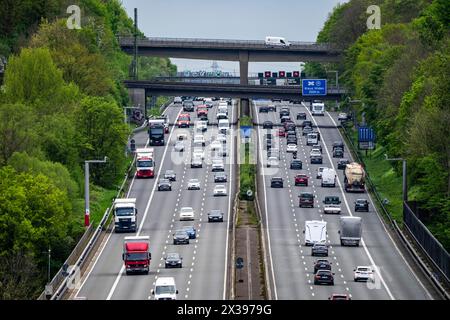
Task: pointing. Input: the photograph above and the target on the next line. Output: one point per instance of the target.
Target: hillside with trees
(401, 74)
(60, 104)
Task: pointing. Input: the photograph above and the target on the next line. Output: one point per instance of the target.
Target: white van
(223, 109)
(328, 177)
(224, 126)
(315, 232)
(318, 109)
(165, 289)
(277, 41)
(312, 138)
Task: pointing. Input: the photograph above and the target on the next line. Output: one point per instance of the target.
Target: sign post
(314, 87)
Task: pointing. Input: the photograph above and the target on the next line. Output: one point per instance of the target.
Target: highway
(290, 261)
(204, 269)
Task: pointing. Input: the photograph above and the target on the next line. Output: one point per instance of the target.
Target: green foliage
(150, 67)
(247, 179)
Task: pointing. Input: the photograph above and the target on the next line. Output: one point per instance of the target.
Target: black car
(267, 125)
(268, 136)
(171, 175)
(316, 159)
(362, 205)
(338, 153)
(276, 182)
(342, 163)
(220, 177)
(285, 118)
(332, 200)
(180, 236)
(301, 116)
(272, 107)
(215, 216)
(306, 199)
(164, 185)
(188, 105)
(322, 264)
(289, 126)
(173, 260)
(307, 123)
(191, 231)
(306, 130)
(338, 144)
(319, 249)
(291, 140)
(324, 276)
(296, 164)
(268, 144)
(263, 109)
(284, 112)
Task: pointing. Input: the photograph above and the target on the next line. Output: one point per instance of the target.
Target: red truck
(145, 164)
(136, 254)
(184, 120)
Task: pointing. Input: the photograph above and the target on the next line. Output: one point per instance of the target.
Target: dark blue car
(191, 232)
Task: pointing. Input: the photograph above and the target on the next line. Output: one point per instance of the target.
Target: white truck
(328, 177)
(312, 138)
(165, 289)
(145, 163)
(350, 230)
(125, 214)
(318, 109)
(315, 232)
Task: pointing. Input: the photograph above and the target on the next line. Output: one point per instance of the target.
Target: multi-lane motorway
(204, 270)
(290, 261)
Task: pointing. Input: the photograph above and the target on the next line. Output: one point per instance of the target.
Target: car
(317, 146)
(284, 111)
(180, 236)
(215, 216)
(173, 260)
(221, 137)
(342, 116)
(319, 249)
(164, 185)
(274, 152)
(289, 126)
(267, 125)
(272, 108)
(193, 184)
(198, 152)
(196, 162)
(319, 172)
(307, 130)
(331, 200)
(296, 164)
(221, 115)
(338, 153)
(324, 276)
(285, 119)
(291, 140)
(316, 159)
(186, 213)
(338, 144)
(332, 209)
(171, 175)
(208, 104)
(301, 180)
(201, 126)
(182, 136)
(306, 199)
(306, 123)
(301, 116)
(276, 182)
(362, 205)
(291, 148)
(188, 105)
(216, 145)
(268, 144)
(272, 161)
(199, 139)
(217, 165)
(315, 152)
(179, 146)
(191, 231)
(364, 273)
(177, 100)
(220, 190)
(220, 177)
(263, 109)
(322, 264)
(340, 296)
(281, 132)
(342, 163)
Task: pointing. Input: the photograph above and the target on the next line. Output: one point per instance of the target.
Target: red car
(301, 180)
(281, 132)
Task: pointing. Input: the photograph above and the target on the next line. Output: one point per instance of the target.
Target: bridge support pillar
(243, 67)
(245, 109)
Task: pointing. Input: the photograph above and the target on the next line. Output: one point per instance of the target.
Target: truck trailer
(350, 230)
(145, 163)
(125, 213)
(354, 177)
(136, 254)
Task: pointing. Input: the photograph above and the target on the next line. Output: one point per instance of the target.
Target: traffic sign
(296, 74)
(282, 74)
(366, 134)
(267, 74)
(275, 74)
(314, 87)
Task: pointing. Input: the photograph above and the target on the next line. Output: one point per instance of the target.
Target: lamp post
(405, 187)
(86, 188)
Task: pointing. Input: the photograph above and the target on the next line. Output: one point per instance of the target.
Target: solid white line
(348, 207)
(119, 275)
(265, 205)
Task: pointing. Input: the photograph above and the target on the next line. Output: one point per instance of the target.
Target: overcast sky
(296, 20)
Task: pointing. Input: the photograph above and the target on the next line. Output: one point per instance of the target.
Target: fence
(430, 245)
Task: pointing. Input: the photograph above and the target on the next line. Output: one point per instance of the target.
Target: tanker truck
(354, 177)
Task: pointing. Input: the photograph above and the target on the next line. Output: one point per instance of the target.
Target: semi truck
(125, 215)
(350, 230)
(318, 109)
(156, 129)
(354, 177)
(145, 163)
(136, 254)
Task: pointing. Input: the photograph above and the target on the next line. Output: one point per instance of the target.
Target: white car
(193, 184)
(201, 125)
(196, 162)
(221, 115)
(217, 165)
(220, 190)
(272, 162)
(291, 148)
(364, 273)
(199, 138)
(182, 136)
(332, 208)
(342, 116)
(186, 213)
(216, 145)
(198, 153)
(179, 146)
(222, 137)
(315, 152)
(177, 100)
(319, 172)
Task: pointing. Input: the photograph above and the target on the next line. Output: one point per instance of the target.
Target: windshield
(124, 212)
(165, 290)
(307, 195)
(193, 181)
(156, 131)
(185, 118)
(145, 163)
(136, 256)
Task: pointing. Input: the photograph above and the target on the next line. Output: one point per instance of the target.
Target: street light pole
(49, 257)
(86, 189)
(405, 186)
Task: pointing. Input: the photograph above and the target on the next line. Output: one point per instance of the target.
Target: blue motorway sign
(314, 87)
(366, 134)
